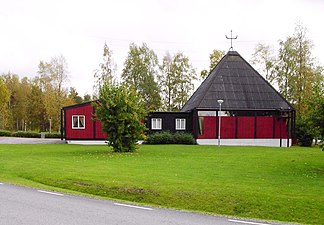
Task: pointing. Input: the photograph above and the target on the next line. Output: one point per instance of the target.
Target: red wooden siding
(92, 129)
(264, 127)
(244, 127)
(99, 133)
(283, 128)
(209, 126)
(228, 126)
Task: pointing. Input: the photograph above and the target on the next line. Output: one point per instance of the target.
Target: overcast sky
(37, 30)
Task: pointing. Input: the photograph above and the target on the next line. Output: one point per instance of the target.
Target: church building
(234, 105)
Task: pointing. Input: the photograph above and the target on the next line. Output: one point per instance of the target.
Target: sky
(37, 30)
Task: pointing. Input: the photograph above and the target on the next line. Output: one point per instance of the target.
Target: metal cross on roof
(231, 39)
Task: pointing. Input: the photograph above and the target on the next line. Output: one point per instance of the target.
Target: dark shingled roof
(240, 86)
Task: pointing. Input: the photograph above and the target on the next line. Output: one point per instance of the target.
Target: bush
(5, 133)
(53, 135)
(169, 138)
(304, 133)
(26, 134)
(120, 112)
(184, 138)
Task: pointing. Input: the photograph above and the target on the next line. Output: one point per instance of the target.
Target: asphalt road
(28, 206)
(16, 140)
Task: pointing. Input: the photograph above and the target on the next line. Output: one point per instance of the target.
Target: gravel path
(14, 140)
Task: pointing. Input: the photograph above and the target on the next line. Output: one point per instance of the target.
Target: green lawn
(285, 184)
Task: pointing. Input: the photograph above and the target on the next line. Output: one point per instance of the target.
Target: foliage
(225, 180)
(316, 114)
(176, 81)
(18, 100)
(5, 133)
(52, 135)
(165, 137)
(37, 118)
(120, 111)
(26, 134)
(4, 105)
(52, 77)
(299, 79)
(139, 72)
(74, 95)
(214, 59)
(304, 133)
(33, 102)
(296, 75)
(106, 72)
(264, 56)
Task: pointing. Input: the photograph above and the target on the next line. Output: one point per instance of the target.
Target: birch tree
(106, 71)
(176, 81)
(139, 73)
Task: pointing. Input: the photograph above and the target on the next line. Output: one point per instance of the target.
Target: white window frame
(79, 122)
(156, 123)
(180, 123)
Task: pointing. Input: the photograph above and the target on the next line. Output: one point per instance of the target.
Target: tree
(120, 111)
(4, 106)
(263, 57)
(74, 96)
(13, 85)
(176, 81)
(36, 109)
(296, 74)
(106, 71)
(52, 78)
(214, 59)
(140, 67)
(87, 98)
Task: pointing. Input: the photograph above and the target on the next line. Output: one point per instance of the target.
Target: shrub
(184, 138)
(53, 135)
(120, 111)
(26, 134)
(304, 133)
(160, 138)
(165, 137)
(5, 133)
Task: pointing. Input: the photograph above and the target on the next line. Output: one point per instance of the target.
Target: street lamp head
(220, 101)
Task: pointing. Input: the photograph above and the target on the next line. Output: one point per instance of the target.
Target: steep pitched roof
(240, 86)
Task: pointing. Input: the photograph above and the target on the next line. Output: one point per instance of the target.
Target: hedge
(28, 134)
(5, 133)
(165, 137)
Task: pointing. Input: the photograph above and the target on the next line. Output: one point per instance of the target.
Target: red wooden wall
(92, 129)
(244, 127)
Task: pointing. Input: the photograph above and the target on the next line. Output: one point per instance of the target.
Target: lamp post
(220, 101)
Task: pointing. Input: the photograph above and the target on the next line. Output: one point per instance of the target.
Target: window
(201, 125)
(156, 124)
(78, 122)
(180, 124)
